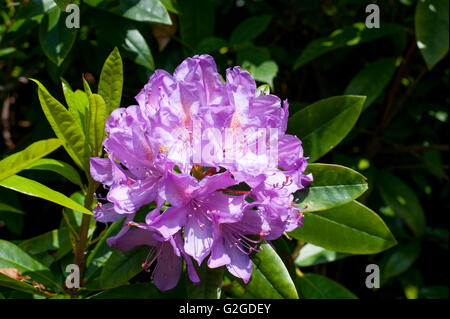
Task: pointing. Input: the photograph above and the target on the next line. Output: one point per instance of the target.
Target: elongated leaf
(249, 29)
(33, 188)
(270, 278)
(351, 228)
(78, 104)
(333, 185)
(11, 256)
(314, 255)
(398, 259)
(347, 36)
(65, 127)
(111, 81)
(210, 286)
(20, 160)
(314, 286)
(15, 284)
(62, 168)
(372, 80)
(432, 30)
(96, 123)
(122, 266)
(98, 257)
(57, 239)
(55, 37)
(322, 125)
(62, 4)
(127, 37)
(403, 201)
(87, 88)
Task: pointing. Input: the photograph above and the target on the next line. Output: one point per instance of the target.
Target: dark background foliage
(400, 142)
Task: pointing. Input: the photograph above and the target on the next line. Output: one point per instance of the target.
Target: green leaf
(11, 256)
(62, 4)
(351, 228)
(333, 185)
(98, 257)
(314, 255)
(138, 10)
(264, 72)
(322, 125)
(270, 278)
(314, 286)
(372, 80)
(210, 286)
(77, 102)
(398, 259)
(55, 37)
(250, 29)
(210, 44)
(59, 167)
(263, 90)
(96, 123)
(33, 8)
(33, 188)
(347, 36)
(432, 25)
(136, 291)
(20, 160)
(127, 37)
(196, 21)
(402, 200)
(15, 284)
(122, 266)
(111, 81)
(57, 239)
(87, 88)
(65, 127)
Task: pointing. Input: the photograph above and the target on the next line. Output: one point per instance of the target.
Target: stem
(84, 229)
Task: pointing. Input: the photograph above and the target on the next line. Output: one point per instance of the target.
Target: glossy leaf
(347, 36)
(270, 278)
(398, 259)
(122, 266)
(65, 127)
(311, 255)
(111, 81)
(333, 185)
(432, 30)
(313, 286)
(57, 239)
(12, 256)
(59, 167)
(322, 125)
(138, 10)
(55, 37)
(15, 284)
(127, 37)
(351, 228)
(78, 103)
(250, 29)
(96, 123)
(402, 200)
(33, 8)
(210, 286)
(372, 80)
(33, 188)
(21, 160)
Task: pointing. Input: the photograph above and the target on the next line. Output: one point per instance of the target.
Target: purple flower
(215, 156)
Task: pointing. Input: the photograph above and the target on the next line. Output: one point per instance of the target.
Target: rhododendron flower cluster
(213, 157)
